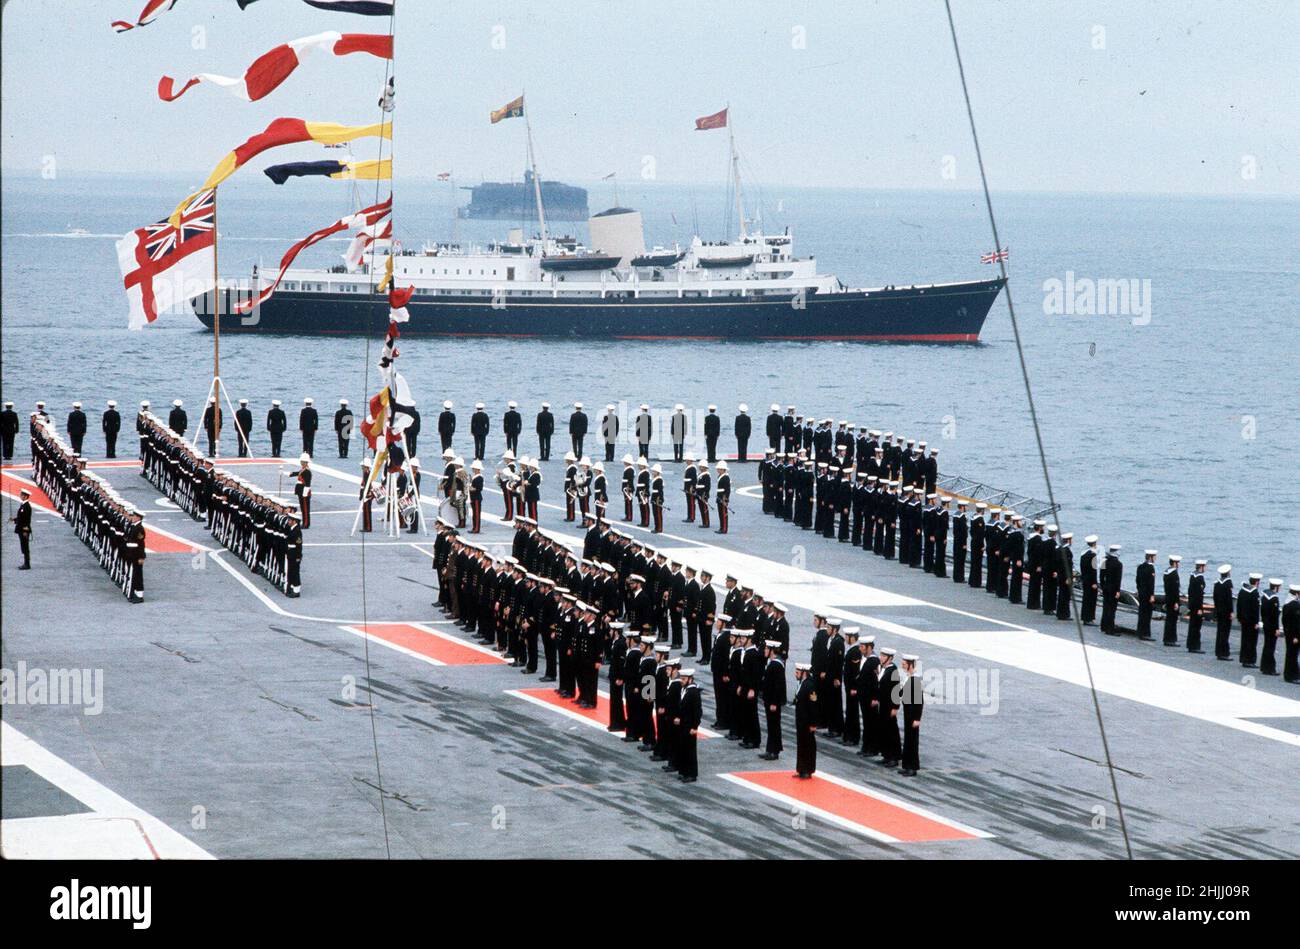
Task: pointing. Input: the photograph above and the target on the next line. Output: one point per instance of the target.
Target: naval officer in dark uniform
(446, 425)
(76, 427)
(343, 424)
(1145, 581)
(8, 430)
(276, 424)
(512, 424)
(479, 426)
(545, 428)
(22, 521)
(243, 427)
(577, 428)
(110, 424)
(1089, 574)
(308, 423)
(1223, 613)
(744, 427)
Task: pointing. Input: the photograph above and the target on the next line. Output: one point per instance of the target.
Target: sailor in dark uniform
(744, 426)
(852, 665)
(212, 420)
(617, 655)
(343, 425)
(545, 428)
(1013, 552)
(1112, 578)
(302, 488)
(577, 428)
(774, 428)
(805, 721)
(22, 521)
(512, 423)
(712, 432)
(867, 687)
(887, 694)
(1034, 561)
(1089, 574)
(609, 426)
(76, 427)
(643, 428)
(912, 695)
(791, 432)
(1051, 554)
(308, 423)
(960, 536)
(706, 614)
(942, 518)
(830, 686)
(993, 535)
(750, 691)
(1223, 613)
(977, 533)
(177, 420)
(774, 698)
(110, 424)
(1291, 633)
(1270, 616)
(1195, 605)
(479, 426)
(677, 431)
(1145, 581)
(632, 684)
(446, 424)
(1064, 576)
(8, 430)
(1173, 585)
(720, 668)
(1248, 619)
(243, 427)
(690, 712)
(276, 424)
(412, 431)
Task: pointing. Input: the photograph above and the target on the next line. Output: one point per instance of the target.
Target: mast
(216, 334)
(537, 182)
(735, 173)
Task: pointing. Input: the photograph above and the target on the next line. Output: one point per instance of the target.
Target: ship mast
(735, 173)
(537, 182)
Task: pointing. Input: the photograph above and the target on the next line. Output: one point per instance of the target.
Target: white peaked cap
(176, 402)
(744, 407)
(512, 404)
(1225, 568)
(679, 407)
(276, 402)
(658, 469)
(448, 453)
(307, 400)
(1090, 539)
(343, 401)
(776, 407)
(304, 457)
(112, 403)
(447, 404)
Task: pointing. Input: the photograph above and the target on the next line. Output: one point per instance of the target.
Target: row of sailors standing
(260, 529)
(108, 525)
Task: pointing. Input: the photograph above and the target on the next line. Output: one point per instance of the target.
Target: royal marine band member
(805, 722)
(308, 423)
(479, 426)
(577, 428)
(1223, 613)
(343, 425)
(1173, 587)
(302, 488)
(570, 490)
(110, 424)
(1248, 618)
(724, 497)
(643, 490)
(629, 486)
(599, 491)
(774, 698)
(703, 488)
(1145, 580)
(446, 425)
(887, 693)
(508, 482)
(512, 424)
(1195, 607)
(545, 428)
(689, 715)
(276, 425)
(76, 427)
(744, 426)
(475, 497)
(1112, 578)
(1270, 613)
(689, 476)
(657, 499)
(582, 485)
(243, 427)
(912, 695)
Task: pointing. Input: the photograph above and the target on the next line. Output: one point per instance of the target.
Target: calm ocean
(1172, 426)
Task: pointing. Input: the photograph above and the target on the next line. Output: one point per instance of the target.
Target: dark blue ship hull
(952, 313)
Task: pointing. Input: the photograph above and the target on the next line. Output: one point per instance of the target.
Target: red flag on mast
(717, 120)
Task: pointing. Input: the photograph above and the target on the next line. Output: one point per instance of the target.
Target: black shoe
(1248, 665)
(1198, 652)
(802, 774)
(908, 773)
(1172, 644)
(1268, 673)
(690, 780)
(546, 679)
(613, 728)
(688, 655)
(25, 566)
(630, 738)
(768, 756)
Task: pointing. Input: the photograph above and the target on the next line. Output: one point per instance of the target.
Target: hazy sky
(1192, 96)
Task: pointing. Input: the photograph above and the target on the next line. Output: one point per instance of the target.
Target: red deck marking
(598, 716)
(156, 540)
(880, 816)
(423, 642)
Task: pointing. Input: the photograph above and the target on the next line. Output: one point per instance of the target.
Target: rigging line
(1038, 435)
(365, 401)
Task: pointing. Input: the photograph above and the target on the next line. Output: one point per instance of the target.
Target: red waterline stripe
(855, 807)
(426, 643)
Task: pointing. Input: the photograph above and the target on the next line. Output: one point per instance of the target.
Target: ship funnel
(618, 231)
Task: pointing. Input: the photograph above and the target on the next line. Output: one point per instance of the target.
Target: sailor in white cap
(308, 422)
(577, 428)
(446, 424)
(912, 693)
(277, 423)
(1145, 581)
(1112, 579)
(545, 428)
(479, 426)
(212, 424)
(1173, 590)
(1090, 579)
(723, 495)
(110, 424)
(1223, 604)
(609, 426)
(1195, 605)
(978, 527)
(8, 430)
(1248, 618)
(888, 694)
(1270, 616)
(344, 422)
(243, 427)
(773, 697)
(22, 521)
(744, 426)
(690, 713)
(677, 425)
(805, 721)
(774, 427)
(302, 488)
(1291, 633)
(712, 431)
(76, 427)
(177, 420)
(647, 672)
(512, 423)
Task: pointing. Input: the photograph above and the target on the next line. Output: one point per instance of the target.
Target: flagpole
(216, 331)
(537, 184)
